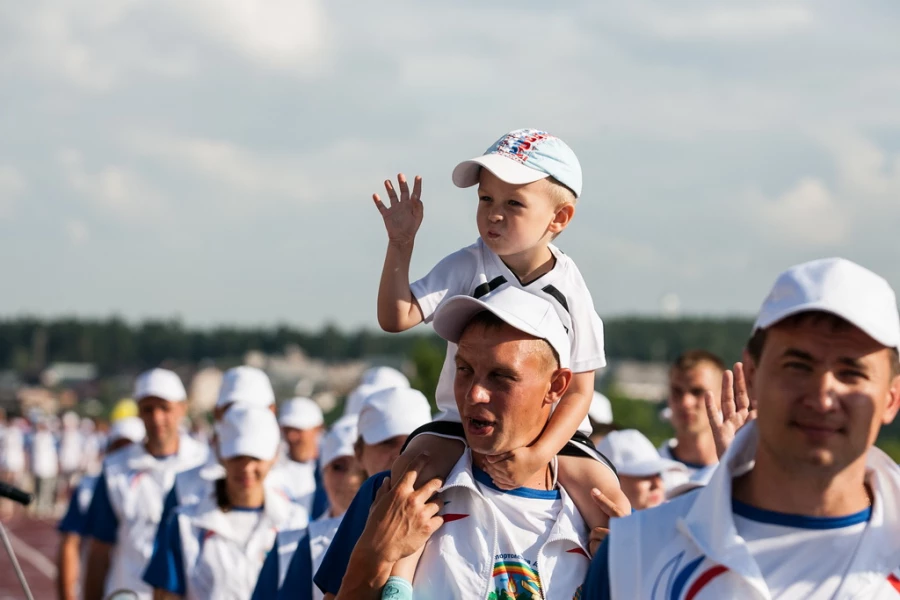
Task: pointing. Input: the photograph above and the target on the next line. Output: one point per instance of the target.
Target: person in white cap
(12, 460)
(373, 380)
(216, 548)
(802, 504)
(639, 465)
(601, 416)
(528, 183)
(512, 366)
(289, 568)
(128, 499)
(296, 475)
(124, 432)
(44, 462)
(693, 375)
(70, 444)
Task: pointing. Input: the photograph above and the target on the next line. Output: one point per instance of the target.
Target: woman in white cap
(215, 549)
(342, 476)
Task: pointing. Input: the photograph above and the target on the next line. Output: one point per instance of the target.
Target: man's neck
(805, 490)
(696, 449)
(160, 449)
(542, 480)
(531, 264)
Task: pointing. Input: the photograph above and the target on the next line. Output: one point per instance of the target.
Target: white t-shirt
(798, 556)
(294, 480)
(243, 522)
(12, 450)
(70, 445)
(44, 460)
(525, 518)
(476, 270)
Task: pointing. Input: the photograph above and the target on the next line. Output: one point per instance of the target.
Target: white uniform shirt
(70, 445)
(12, 450)
(294, 480)
(673, 478)
(321, 532)
(44, 459)
(477, 270)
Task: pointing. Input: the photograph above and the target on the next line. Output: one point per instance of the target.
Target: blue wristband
(397, 588)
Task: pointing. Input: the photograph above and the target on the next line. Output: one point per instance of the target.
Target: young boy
(528, 183)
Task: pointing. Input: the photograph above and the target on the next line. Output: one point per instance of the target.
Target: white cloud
(113, 190)
(864, 170)
(77, 232)
(12, 185)
(725, 23)
(806, 214)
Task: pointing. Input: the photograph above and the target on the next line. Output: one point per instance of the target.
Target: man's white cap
(300, 413)
(384, 377)
(127, 428)
(246, 385)
(248, 431)
(601, 409)
(839, 287)
(392, 412)
(159, 383)
(339, 440)
(524, 156)
(526, 312)
(634, 455)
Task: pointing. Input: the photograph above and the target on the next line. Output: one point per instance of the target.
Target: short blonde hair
(560, 193)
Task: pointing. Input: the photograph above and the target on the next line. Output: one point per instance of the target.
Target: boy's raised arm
(397, 308)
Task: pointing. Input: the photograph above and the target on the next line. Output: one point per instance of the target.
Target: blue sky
(214, 159)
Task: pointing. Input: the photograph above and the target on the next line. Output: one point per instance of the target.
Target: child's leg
(579, 475)
(443, 454)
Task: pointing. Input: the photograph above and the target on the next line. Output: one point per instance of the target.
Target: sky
(214, 160)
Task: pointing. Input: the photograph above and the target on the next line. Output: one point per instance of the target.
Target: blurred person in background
(12, 460)
(126, 431)
(297, 474)
(215, 549)
(71, 443)
(601, 416)
(693, 375)
(342, 476)
(92, 448)
(373, 380)
(640, 467)
(44, 463)
(128, 498)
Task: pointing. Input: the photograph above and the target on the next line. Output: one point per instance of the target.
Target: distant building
(648, 381)
(67, 374)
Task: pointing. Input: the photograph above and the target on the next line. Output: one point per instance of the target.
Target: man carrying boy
(528, 183)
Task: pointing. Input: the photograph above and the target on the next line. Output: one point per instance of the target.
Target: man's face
(643, 492)
(822, 393)
(161, 418)
(246, 472)
(303, 444)
(342, 478)
(686, 391)
(503, 387)
(379, 457)
(512, 218)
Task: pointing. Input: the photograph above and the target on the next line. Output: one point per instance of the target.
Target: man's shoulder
(118, 461)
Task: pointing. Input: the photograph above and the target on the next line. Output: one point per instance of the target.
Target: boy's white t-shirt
(525, 518)
(475, 271)
(800, 557)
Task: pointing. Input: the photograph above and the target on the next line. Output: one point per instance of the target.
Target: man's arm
(397, 308)
(97, 569)
(69, 564)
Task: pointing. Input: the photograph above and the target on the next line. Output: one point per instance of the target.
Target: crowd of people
(771, 487)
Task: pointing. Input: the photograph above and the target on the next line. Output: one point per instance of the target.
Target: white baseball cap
(384, 377)
(339, 440)
(526, 312)
(392, 412)
(524, 156)
(634, 455)
(248, 431)
(601, 409)
(127, 428)
(840, 287)
(300, 413)
(159, 383)
(246, 385)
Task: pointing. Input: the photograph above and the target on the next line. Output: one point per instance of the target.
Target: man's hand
(402, 518)
(737, 409)
(513, 469)
(612, 510)
(404, 216)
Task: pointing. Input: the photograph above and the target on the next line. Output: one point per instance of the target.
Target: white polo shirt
(477, 270)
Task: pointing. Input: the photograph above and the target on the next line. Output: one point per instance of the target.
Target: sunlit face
(342, 478)
(246, 472)
(643, 492)
(376, 458)
(686, 392)
(502, 387)
(303, 444)
(513, 218)
(823, 394)
(161, 419)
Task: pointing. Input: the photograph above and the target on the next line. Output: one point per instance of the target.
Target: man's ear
(749, 371)
(562, 217)
(560, 380)
(893, 403)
